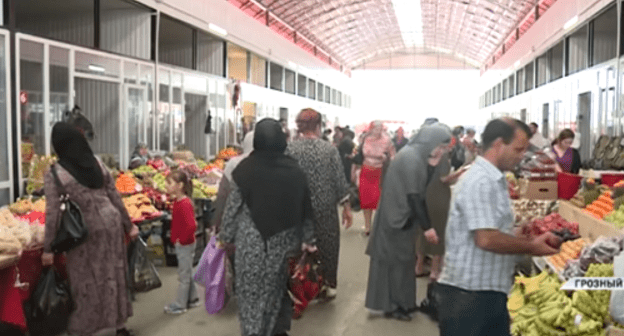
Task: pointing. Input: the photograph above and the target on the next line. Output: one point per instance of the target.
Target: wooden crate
(590, 227)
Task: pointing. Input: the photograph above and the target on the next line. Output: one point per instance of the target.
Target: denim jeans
(187, 292)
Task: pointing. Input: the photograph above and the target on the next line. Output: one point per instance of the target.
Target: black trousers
(472, 313)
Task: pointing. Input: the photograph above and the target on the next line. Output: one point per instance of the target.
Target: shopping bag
(48, 310)
(144, 276)
(305, 281)
(210, 273)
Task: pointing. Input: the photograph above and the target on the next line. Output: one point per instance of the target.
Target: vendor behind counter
(139, 156)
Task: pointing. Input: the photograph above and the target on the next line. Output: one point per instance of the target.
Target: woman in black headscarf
(97, 268)
(268, 216)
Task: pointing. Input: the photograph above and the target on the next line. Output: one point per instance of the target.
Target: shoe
(172, 309)
(194, 304)
(401, 315)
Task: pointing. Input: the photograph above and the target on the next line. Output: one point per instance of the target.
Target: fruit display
(144, 171)
(39, 166)
(218, 164)
(157, 164)
(602, 251)
(527, 210)
(570, 250)
(159, 182)
(126, 184)
(139, 206)
(228, 153)
(201, 190)
(589, 193)
(602, 206)
(190, 169)
(539, 307)
(26, 205)
(553, 222)
(201, 164)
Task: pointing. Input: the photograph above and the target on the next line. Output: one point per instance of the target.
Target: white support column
(47, 127)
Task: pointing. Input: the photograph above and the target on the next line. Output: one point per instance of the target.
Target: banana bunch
(595, 304)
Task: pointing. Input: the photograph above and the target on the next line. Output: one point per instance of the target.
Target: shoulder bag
(358, 159)
(72, 230)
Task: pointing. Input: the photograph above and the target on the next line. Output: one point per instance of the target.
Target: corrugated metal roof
(352, 32)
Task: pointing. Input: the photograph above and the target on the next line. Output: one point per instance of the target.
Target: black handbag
(358, 159)
(48, 310)
(72, 230)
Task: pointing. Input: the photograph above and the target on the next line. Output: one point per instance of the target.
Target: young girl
(183, 226)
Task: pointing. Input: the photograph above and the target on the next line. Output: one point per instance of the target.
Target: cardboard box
(540, 190)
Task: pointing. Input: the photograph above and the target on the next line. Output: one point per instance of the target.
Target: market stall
(591, 226)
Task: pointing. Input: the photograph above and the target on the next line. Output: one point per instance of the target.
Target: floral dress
(261, 268)
(328, 186)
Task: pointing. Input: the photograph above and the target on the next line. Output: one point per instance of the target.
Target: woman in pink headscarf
(377, 149)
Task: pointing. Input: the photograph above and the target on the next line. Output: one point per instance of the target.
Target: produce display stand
(590, 227)
(543, 264)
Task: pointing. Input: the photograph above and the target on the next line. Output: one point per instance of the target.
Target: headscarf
(76, 156)
(429, 138)
(233, 163)
(272, 184)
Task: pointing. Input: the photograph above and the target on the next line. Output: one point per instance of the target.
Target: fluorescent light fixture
(409, 17)
(570, 23)
(292, 64)
(216, 29)
(96, 68)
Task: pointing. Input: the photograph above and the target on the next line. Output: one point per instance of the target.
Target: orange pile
(125, 184)
(601, 207)
(570, 250)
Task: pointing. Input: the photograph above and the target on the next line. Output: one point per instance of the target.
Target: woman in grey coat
(391, 281)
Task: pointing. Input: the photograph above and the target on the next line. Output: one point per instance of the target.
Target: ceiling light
(216, 29)
(96, 68)
(570, 23)
(409, 17)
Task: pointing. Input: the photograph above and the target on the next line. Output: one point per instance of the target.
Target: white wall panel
(75, 29)
(127, 32)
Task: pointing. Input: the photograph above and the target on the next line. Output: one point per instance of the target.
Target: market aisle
(345, 316)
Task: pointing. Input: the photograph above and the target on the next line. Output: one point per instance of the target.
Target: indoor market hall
(311, 167)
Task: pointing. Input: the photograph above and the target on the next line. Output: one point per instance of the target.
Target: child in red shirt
(183, 226)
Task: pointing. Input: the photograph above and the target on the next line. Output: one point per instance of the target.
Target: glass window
(520, 81)
(302, 87)
(338, 98)
(258, 71)
(59, 83)
(237, 62)
(164, 112)
(125, 28)
(177, 110)
(577, 51)
(542, 69)
(31, 113)
(147, 75)
(512, 87)
(529, 77)
(68, 20)
(328, 94)
(556, 61)
(277, 74)
(210, 58)
(505, 88)
(311, 89)
(290, 81)
(320, 92)
(131, 72)
(175, 43)
(604, 36)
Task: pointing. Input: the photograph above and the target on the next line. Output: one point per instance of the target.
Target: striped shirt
(480, 201)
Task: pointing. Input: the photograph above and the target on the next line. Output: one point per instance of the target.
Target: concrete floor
(345, 316)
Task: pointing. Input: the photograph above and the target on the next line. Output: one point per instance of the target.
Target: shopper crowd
(280, 200)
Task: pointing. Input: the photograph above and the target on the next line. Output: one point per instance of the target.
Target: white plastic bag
(616, 307)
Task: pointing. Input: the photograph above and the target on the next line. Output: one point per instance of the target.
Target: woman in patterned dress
(268, 215)
(328, 185)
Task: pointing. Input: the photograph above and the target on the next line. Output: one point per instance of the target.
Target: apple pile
(553, 222)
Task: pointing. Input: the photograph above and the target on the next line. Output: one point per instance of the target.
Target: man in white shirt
(481, 245)
(537, 139)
